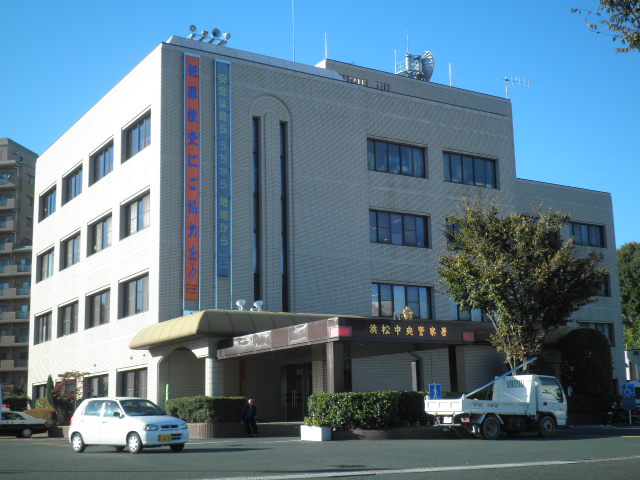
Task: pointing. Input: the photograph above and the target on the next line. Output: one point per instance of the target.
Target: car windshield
(139, 408)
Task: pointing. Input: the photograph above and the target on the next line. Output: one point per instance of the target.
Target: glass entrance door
(296, 386)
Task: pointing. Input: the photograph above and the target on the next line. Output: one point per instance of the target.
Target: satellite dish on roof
(215, 33)
(192, 28)
(427, 64)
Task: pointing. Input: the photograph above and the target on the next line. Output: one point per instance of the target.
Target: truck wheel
(546, 426)
(490, 428)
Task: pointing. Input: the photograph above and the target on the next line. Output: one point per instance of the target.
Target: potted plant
(313, 431)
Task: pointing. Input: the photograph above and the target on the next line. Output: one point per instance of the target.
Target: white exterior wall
(331, 190)
(102, 349)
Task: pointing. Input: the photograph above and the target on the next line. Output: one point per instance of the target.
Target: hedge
(48, 414)
(203, 409)
(366, 410)
(16, 402)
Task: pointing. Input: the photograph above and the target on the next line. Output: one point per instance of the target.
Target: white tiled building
(322, 160)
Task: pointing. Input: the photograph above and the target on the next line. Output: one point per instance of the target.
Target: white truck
(514, 404)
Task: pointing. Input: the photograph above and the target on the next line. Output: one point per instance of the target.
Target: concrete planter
(218, 429)
(315, 434)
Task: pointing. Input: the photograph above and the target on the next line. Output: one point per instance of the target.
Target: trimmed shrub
(586, 367)
(366, 410)
(16, 402)
(203, 409)
(48, 414)
(43, 402)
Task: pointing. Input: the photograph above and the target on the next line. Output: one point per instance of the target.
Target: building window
(137, 136)
(398, 229)
(70, 252)
(98, 309)
(45, 265)
(101, 164)
(47, 203)
(587, 234)
(72, 185)
(99, 235)
(135, 215)
(257, 218)
(133, 383)
(43, 328)
(135, 296)
(605, 328)
(475, 315)
(68, 319)
(31, 180)
(97, 386)
(603, 286)
(386, 300)
(396, 158)
(39, 391)
(480, 172)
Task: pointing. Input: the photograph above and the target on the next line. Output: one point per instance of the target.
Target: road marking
(239, 440)
(394, 471)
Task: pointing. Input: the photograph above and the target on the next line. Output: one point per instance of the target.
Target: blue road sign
(435, 391)
(628, 390)
(628, 403)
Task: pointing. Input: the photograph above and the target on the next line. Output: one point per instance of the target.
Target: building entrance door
(296, 387)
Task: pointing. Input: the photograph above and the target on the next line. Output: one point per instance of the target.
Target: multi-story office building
(17, 170)
(209, 175)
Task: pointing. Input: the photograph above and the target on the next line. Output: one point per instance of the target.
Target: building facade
(17, 180)
(209, 175)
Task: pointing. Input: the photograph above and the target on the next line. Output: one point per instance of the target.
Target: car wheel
(77, 443)
(546, 426)
(134, 444)
(119, 449)
(490, 428)
(26, 432)
(177, 447)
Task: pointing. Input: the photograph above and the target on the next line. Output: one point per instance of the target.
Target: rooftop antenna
(516, 82)
(450, 75)
(293, 27)
(326, 46)
(419, 67)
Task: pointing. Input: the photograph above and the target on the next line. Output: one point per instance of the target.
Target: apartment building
(17, 180)
(210, 178)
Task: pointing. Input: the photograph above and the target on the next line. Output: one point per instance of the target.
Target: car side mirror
(117, 414)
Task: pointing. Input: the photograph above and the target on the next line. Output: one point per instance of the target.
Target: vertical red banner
(191, 180)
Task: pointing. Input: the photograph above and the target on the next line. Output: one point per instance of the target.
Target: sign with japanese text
(191, 179)
(223, 168)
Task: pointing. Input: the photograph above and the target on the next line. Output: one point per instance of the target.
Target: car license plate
(447, 419)
(164, 437)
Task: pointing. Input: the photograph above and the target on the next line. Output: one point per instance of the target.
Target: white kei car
(125, 422)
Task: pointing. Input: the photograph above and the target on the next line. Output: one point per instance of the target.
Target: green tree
(517, 270)
(629, 265)
(48, 391)
(620, 17)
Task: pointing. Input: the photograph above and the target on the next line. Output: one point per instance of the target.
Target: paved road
(577, 453)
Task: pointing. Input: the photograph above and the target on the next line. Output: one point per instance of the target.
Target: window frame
(92, 230)
(104, 313)
(40, 321)
(97, 160)
(47, 203)
(74, 239)
(386, 220)
(140, 298)
(589, 227)
(127, 219)
(466, 169)
(50, 270)
(72, 184)
(72, 308)
(128, 150)
(404, 163)
(393, 290)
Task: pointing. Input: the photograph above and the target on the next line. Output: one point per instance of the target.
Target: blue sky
(576, 125)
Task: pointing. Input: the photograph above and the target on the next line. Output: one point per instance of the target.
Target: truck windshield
(139, 408)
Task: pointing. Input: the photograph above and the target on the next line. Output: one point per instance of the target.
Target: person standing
(249, 412)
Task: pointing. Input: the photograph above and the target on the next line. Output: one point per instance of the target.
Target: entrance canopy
(357, 329)
(216, 324)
